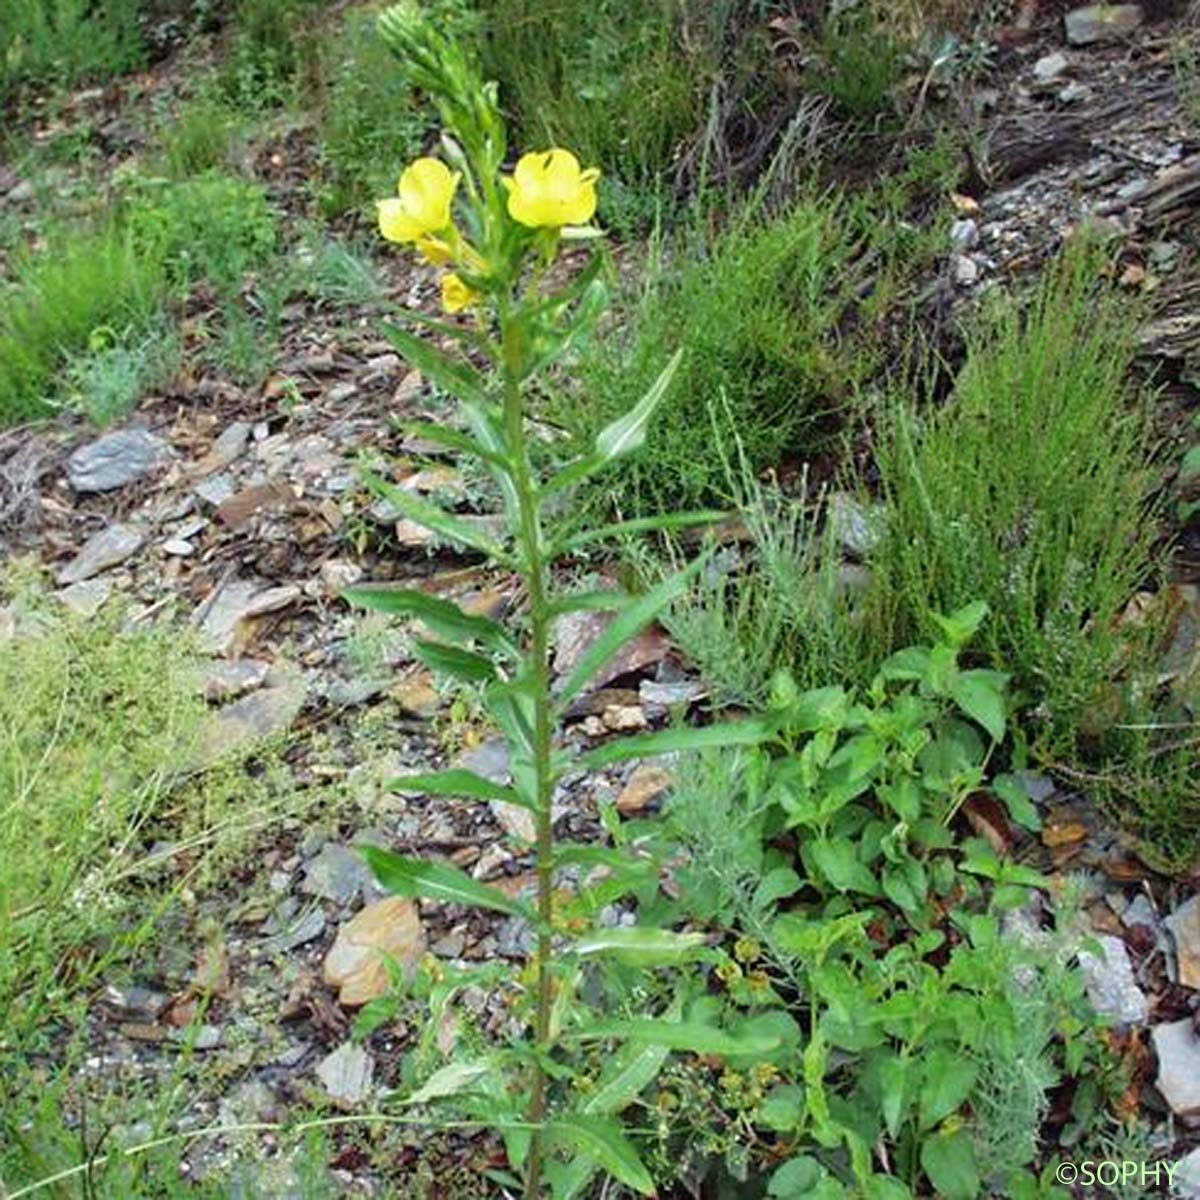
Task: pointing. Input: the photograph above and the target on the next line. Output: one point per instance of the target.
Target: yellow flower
(435, 250)
(549, 190)
(422, 207)
(456, 296)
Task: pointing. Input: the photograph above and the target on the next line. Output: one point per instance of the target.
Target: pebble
(259, 715)
(1050, 66)
(1101, 23)
(966, 270)
(1178, 1050)
(359, 961)
(178, 547)
(1111, 986)
(1185, 1182)
(85, 598)
(114, 460)
(101, 551)
(308, 928)
(346, 1074)
(337, 873)
(228, 680)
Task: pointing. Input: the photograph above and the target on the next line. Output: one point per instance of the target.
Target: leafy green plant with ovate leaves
(864, 922)
(500, 235)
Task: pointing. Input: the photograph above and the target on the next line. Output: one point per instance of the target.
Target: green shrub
(861, 65)
(58, 298)
(1027, 489)
(118, 368)
(199, 137)
(761, 312)
(269, 46)
(214, 227)
(67, 41)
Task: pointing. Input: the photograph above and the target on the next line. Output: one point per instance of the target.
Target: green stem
(536, 570)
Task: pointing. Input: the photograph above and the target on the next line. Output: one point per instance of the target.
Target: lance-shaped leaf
(464, 665)
(451, 1080)
(729, 733)
(606, 533)
(466, 334)
(602, 601)
(458, 781)
(440, 615)
(605, 1142)
(627, 433)
(689, 1036)
(453, 528)
(641, 946)
(439, 881)
(456, 440)
(625, 626)
(458, 378)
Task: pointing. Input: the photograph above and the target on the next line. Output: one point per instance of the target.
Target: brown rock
(357, 963)
(645, 785)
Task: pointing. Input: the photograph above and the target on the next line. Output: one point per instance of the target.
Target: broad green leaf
(836, 859)
(776, 885)
(627, 433)
(908, 665)
(949, 1161)
(906, 885)
(887, 1187)
(445, 524)
(688, 1036)
(796, 1179)
(457, 781)
(783, 1109)
(1189, 468)
(456, 662)
(642, 946)
(605, 533)
(750, 732)
(623, 628)
(980, 694)
(605, 1142)
(450, 1080)
(440, 615)
(948, 1079)
(961, 626)
(438, 881)
(1018, 802)
(893, 1091)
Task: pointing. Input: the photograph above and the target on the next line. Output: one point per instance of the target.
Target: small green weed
(214, 228)
(337, 272)
(58, 298)
(862, 64)
(118, 368)
(268, 49)
(1027, 489)
(763, 310)
(200, 137)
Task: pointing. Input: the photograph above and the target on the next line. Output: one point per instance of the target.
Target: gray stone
(240, 600)
(964, 234)
(1074, 93)
(346, 1074)
(1185, 1180)
(248, 1102)
(1101, 23)
(1140, 912)
(491, 760)
(1178, 1050)
(85, 598)
(229, 445)
(857, 526)
(1184, 926)
(337, 873)
(306, 928)
(133, 1003)
(178, 547)
(259, 715)
(228, 680)
(215, 491)
(115, 460)
(1050, 66)
(1111, 986)
(203, 1037)
(966, 270)
(102, 550)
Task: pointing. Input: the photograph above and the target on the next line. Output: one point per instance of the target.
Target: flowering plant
(494, 232)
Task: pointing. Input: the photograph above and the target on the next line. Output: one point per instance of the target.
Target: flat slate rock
(1178, 1050)
(115, 460)
(1111, 986)
(1101, 23)
(102, 550)
(259, 715)
(346, 1074)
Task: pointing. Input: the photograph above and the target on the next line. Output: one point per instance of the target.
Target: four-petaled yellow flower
(456, 296)
(548, 190)
(426, 191)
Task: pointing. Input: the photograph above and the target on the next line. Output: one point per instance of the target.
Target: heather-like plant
(496, 233)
